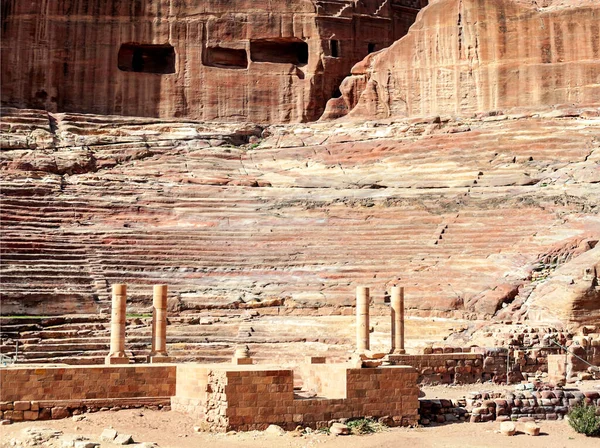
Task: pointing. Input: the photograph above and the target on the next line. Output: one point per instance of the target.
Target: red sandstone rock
(454, 215)
(570, 294)
(225, 60)
(467, 56)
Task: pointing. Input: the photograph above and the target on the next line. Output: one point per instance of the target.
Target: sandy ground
(173, 430)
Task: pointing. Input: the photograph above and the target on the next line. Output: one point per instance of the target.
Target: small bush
(364, 426)
(583, 419)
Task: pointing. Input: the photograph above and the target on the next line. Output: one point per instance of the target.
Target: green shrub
(583, 419)
(365, 426)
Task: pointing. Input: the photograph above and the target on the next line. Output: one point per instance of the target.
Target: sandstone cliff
(467, 56)
(260, 61)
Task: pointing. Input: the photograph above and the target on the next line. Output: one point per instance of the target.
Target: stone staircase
(297, 222)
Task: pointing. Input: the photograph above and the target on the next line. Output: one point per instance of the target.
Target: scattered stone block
(275, 430)
(508, 428)
(5, 422)
(123, 439)
(78, 418)
(339, 429)
(85, 444)
(531, 428)
(108, 435)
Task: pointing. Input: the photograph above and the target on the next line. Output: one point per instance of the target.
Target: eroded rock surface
(226, 60)
(458, 210)
(466, 56)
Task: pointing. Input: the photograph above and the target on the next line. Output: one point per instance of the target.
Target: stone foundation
(35, 393)
(506, 405)
(251, 397)
(222, 396)
(454, 365)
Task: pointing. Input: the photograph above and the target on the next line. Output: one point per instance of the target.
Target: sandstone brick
(31, 415)
(22, 405)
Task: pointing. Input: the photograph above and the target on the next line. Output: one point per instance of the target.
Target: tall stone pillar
(117, 326)
(159, 325)
(362, 318)
(397, 300)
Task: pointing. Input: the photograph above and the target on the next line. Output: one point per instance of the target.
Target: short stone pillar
(159, 325)
(117, 326)
(397, 302)
(362, 319)
(242, 356)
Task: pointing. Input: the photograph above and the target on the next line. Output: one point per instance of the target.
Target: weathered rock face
(261, 61)
(459, 210)
(571, 294)
(467, 56)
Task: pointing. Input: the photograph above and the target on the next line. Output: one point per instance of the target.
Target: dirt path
(173, 430)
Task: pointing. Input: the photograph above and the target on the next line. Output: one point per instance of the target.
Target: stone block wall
(86, 382)
(324, 380)
(541, 405)
(191, 390)
(251, 397)
(450, 365)
(505, 405)
(57, 392)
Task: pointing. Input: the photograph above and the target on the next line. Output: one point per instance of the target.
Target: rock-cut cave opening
(147, 58)
(283, 51)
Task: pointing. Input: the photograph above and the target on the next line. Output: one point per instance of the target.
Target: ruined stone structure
(258, 61)
(117, 332)
(397, 306)
(159, 325)
(363, 302)
(222, 397)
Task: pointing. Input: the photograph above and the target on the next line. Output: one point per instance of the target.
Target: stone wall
(455, 365)
(252, 397)
(506, 405)
(541, 405)
(86, 382)
(238, 60)
(33, 393)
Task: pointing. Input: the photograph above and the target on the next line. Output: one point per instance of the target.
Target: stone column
(362, 318)
(117, 326)
(397, 300)
(159, 325)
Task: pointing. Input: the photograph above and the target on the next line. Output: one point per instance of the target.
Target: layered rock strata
(461, 211)
(468, 56)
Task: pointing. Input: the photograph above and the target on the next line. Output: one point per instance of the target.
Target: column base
(155, 359)
(242, 361)
(116, 360)
(399, 351)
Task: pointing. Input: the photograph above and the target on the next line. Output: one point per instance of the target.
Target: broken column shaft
(397, 301)
(117, 326)
(362, 318)
(159, 325)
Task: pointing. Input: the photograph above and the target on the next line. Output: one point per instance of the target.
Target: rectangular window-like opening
(334, 47)
(283, 51)
(147, 58)
(225, 58)
(371, 47)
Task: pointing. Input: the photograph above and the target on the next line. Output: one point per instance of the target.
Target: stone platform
(222, 396)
